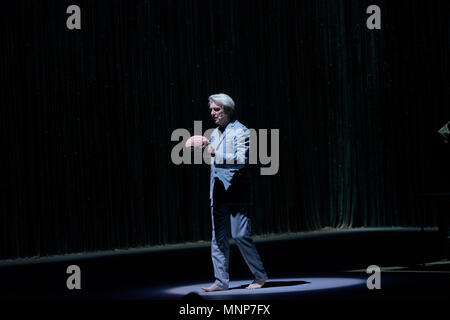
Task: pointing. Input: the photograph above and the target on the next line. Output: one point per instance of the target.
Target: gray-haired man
(230, 193)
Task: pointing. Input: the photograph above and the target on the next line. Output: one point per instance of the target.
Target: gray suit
(231, 201)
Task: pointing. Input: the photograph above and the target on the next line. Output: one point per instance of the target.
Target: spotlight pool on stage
(277, 287)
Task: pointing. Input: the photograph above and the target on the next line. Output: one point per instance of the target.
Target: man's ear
(229, 112)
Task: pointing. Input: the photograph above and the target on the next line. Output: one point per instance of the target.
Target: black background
(87, 116)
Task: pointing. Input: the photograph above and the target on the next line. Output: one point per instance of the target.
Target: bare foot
(213, 287)
(257, 284)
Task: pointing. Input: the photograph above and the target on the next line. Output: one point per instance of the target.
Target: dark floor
(308, 266)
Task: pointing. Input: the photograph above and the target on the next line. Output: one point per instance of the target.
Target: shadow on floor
(274, 284)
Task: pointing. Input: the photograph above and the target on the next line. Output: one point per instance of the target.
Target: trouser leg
(220, 247)
(241, 232)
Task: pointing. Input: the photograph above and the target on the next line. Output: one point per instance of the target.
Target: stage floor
(314, 266)
(396, 283)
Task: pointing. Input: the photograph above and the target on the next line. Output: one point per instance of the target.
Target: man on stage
(230, 194)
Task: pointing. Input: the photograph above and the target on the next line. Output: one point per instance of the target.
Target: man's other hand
(211, 151)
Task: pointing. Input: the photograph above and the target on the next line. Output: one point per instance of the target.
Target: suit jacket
(230, 175)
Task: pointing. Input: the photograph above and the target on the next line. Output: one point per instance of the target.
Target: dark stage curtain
(87, 116)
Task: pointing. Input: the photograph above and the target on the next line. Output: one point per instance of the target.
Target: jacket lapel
(230, 126)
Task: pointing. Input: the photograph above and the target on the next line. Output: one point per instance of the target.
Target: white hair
(226, 102)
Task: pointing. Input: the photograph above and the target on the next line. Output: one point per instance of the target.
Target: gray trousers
(226, 218)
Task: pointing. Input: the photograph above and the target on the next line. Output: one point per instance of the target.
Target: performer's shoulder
(240, 125)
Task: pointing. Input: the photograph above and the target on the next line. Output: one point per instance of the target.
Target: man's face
(218, 114)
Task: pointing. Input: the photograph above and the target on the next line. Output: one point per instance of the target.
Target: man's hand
(196, 142)
(199, 141)
(211, 150)
(205, 143)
